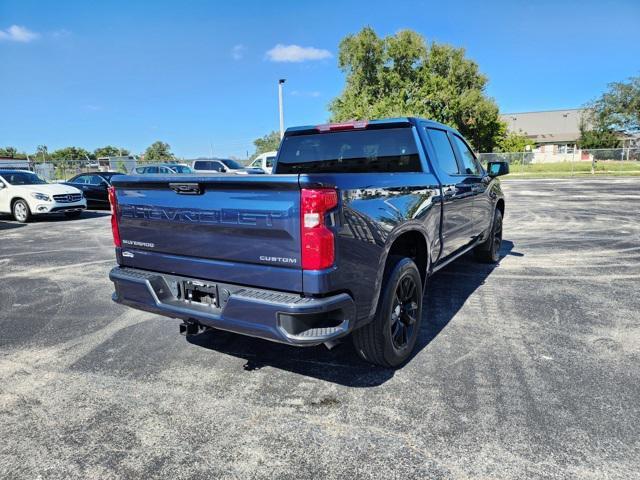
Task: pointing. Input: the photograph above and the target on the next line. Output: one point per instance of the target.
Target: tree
(514, 142)
(12, 152)
(70, 153)
(618, 109)
(401, 75)
(268, 143)
(159, 152)
(110, 151)
(615, 112)
(596, 137)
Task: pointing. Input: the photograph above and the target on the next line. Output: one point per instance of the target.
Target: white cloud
(296, 53)
(62, 33)
(238, 51)
(299, 93)
(16, 33)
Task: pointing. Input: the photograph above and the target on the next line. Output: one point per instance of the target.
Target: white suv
(24, 194)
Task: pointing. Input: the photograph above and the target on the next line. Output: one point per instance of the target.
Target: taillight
(318, 243)
(113, 201)
(334, 127)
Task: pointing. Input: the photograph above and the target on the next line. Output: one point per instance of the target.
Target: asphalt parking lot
(527, 370)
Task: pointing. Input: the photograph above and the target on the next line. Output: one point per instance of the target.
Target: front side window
(469, 163)
(151, 170)
(353, 151)
(83, 179)
(256, 164)
(444, 151)
(95, 180)
(270, 161)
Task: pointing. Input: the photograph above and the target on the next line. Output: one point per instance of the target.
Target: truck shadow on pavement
(446, 293)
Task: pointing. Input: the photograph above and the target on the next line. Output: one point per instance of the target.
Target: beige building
(553, 131)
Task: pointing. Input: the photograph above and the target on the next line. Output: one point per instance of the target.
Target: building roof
(551, 126)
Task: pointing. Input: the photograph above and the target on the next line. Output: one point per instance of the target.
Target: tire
(389, 339)
(489, 250)
(21, 211)
(72, 214)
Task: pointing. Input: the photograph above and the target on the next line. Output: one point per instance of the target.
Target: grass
(565, 169)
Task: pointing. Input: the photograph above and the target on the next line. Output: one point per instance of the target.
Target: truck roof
(363, 124)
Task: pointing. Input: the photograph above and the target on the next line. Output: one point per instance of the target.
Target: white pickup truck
(264, 161)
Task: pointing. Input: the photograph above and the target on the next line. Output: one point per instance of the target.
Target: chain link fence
(570, 161)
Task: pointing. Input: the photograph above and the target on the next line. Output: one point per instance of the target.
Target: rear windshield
(381, 150)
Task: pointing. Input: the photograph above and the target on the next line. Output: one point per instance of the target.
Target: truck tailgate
(243, 229)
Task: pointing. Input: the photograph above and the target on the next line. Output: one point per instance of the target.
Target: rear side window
(375, 150)
(444, 151)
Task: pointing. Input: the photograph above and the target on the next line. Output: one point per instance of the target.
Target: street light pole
(280, 83)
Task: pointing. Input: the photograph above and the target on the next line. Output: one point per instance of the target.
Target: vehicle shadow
(86, 215)
(8, 224)
(446, 293)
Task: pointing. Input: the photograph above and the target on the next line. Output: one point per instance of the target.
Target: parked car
(24, 194)
(264, 161)
(95, 186)
(222, 165)
(342, 242)
(162, 169)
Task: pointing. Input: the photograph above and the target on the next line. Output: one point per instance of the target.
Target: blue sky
(202, 76)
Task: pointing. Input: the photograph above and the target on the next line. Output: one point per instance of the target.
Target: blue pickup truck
(340, 240)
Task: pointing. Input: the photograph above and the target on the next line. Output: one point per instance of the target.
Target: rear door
(232, 228)
(457, 194)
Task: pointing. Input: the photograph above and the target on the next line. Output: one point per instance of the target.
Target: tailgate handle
(186, 188)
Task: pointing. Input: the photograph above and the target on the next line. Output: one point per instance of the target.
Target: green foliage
(69, 153)
(268, 143)
(598, 137)
(110, 151)
(401, 75)
(121, 167)
(158, 152)
(12, 152)
(514, 142)
(618, 109)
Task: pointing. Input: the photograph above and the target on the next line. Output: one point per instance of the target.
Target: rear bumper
(272, 315)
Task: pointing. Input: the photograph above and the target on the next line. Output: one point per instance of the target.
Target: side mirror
(496, 169)
(2, 185)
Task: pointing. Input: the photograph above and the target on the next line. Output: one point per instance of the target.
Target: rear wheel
(21, 211)
(489, 250)
(390, 337)
(73, 214)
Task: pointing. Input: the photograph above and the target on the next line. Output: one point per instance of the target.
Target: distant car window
(232, 164)
(166, 170)
(202, 165)
(151, 170)
(83, 179)
(256, 163)
(95, 180)
(270, 161)
(140, 170)
(471, 167)
(375, 150)
(181, 169)
(444, 151)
